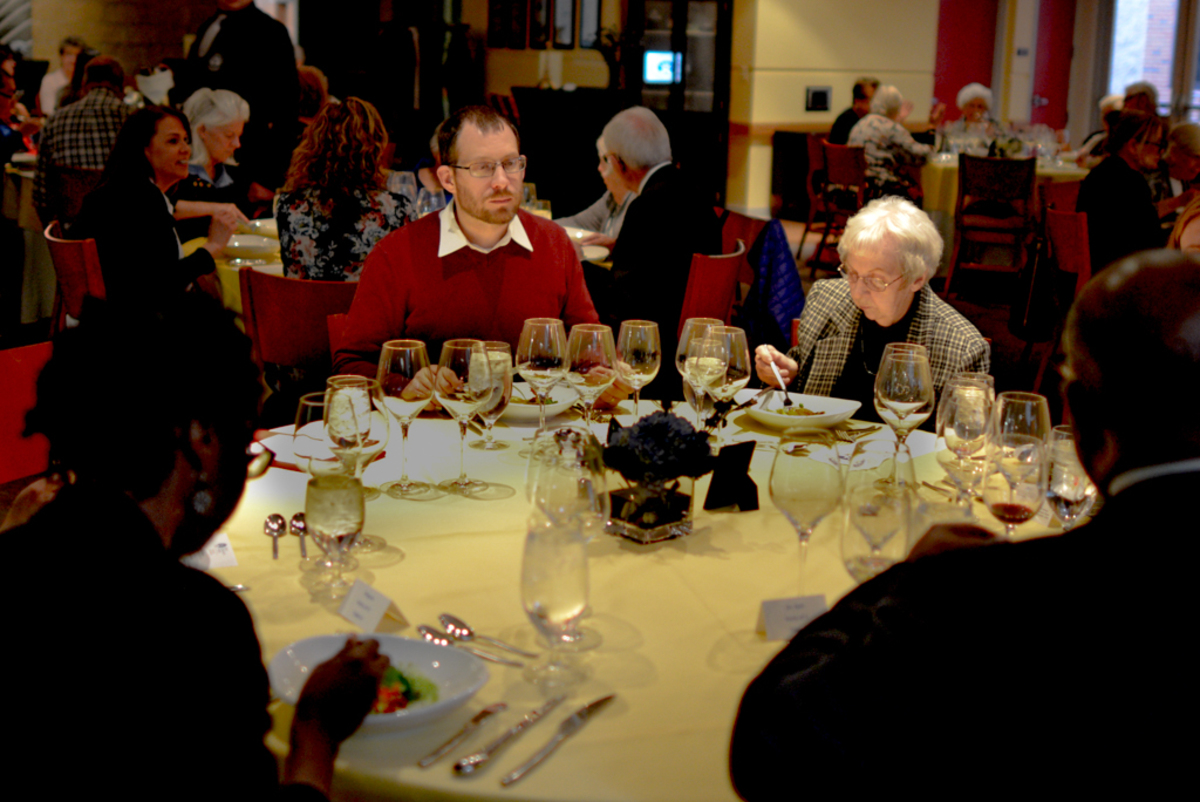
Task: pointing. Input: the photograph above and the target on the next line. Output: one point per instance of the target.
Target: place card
(217, 553)
(731, 485)
(780, 619)
(366, 607)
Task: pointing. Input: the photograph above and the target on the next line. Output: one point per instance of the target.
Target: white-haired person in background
(975, 102)
(604, 217)
(1175, 182)
(217, 118)
(1092, 151)
(889, 251)
(890, 149)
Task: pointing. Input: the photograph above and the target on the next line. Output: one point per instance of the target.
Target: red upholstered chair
(1060, 195)
(337, 331)
(711, 285)
(843, 196)
(21, 456)
(77, 268)
(1067, 234)
(795, 332)
(814, 184)
(286, 318)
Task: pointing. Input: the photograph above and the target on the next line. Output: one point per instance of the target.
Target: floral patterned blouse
(327, 238)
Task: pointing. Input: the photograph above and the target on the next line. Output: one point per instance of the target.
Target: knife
(572, 725)
(472, 762)
(461, 735)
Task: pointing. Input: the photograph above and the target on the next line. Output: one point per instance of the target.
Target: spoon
(273, 527)
(461, 631)
(442, 639)
(787, 402)
(299, 528)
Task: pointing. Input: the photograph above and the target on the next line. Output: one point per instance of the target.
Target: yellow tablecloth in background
(939, 182)
(678, 621)
(227, 276)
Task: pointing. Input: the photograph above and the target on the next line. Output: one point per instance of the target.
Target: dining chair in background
(995, 209)
(66, 187)
(21, 456)
(77, 270)
(1067, 237)
(337, 330)
(814, 184)
(1060, 195)
(712, 284)
(286, 318)
(842, 197)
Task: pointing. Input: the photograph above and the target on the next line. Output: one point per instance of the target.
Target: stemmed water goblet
(804, 487)
(904, 388)
(313, 452)
(639, 352)
(693, 328)
(1071, 492)
(463, 385)
(357, 423)
(963, 421)
(542, 358)
(554, 593)
(1015, 476)
(333, 513)
(406, 381)
(500, 358)
(591, 363)
(739, 365)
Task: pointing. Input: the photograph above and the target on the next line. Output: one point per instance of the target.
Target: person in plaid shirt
(82, 134)
(889, 252)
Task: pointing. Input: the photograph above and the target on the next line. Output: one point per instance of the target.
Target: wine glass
(639, 349)
(357, 423)
(904, 388)
(739, 365)
(542, 358)
(500, 358)
(591, 363)
(877, 514)
(1021, 413)
(463, 385)
(554, 593)
(406, 380)
(963, 420)
(693, 328)
(429, 202)
(707, 362)
(1071, 492)
(1014, 478)
(805, 488)
(403, 182)
(333, 512)
(313, 452)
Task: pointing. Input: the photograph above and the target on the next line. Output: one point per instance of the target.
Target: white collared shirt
(1130, 478)
(452, 236)
(642, 186)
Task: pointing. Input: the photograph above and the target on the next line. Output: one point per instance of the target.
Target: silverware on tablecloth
(461, 735)
(238, 588)
(299, 528)
(572, 725)
(473, 762)
(442, 639)
(461, 631)
(939, 489)
(273, 527)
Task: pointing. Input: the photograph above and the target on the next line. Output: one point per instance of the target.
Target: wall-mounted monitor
(662, 67)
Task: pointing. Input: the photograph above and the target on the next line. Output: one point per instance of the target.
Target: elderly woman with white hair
(890, 148)
(889, 251)
(1174, 185)
(975, 102)
(217, 117)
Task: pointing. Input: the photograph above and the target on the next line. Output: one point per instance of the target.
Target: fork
(787, 402)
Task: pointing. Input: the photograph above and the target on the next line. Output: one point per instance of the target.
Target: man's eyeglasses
(873, 283)
(488, 169)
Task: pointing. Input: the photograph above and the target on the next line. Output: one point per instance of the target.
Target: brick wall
(1160, 45)
(138, 33)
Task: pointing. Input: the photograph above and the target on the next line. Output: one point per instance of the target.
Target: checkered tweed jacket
(829, 324)
(79, 135)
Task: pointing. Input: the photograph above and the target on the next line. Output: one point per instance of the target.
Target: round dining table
(677, 618)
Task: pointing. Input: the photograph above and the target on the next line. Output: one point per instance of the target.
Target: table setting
(506, 593)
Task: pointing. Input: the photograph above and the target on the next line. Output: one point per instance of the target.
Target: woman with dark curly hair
(334, 206)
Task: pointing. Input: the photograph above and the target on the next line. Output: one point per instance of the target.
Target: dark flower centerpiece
(660, 456)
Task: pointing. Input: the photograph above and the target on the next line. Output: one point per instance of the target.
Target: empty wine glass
(403, 182)
(964, 418)
(500, 357)
(639, 349)
(1071, 492)
(591, 363)
(333, 512)
(554, 593)
(876, 515)
(311, 445)
(429, 202)
(463, 384)
(357, 423)
(804, 487)
(904, 388)
(406, 381)
(542, 358)
(1021, 413)
(739, 365)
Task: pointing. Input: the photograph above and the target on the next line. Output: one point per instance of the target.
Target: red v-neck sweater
(406, 291)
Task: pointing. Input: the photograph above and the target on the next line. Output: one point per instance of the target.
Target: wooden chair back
(994, 188)
(286, 318)
(845, 168)
(77, 268)
(712, 283)
(66, 189)
(23, 456)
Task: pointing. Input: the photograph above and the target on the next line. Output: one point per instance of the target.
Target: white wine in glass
(904, 388)
(463, 385)
(406, 381)
(542, 358)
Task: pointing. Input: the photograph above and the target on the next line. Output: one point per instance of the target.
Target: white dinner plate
(248, 246)
(265, 227)
(561, 399)
(834, 410)
(577, 233)
(595, 253)
(458, 675)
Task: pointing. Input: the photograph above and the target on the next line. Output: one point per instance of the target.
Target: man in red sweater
(478, 269)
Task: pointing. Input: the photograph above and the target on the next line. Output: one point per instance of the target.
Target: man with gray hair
(667, 222)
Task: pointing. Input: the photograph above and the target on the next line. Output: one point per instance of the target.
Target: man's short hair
(638, 138)
(485, 118)
(859, 92)
(71, 41)
(895, 222)
(104, 71)
(121, 390)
